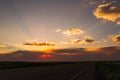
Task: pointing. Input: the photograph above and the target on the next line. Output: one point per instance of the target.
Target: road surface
(76, 71)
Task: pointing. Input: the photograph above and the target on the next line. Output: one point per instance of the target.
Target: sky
(50, 25)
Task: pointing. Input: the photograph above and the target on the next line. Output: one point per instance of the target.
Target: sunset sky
(45, 25)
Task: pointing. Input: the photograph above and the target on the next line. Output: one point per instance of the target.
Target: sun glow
(48, 50)
(92, 49)
(45, 56)
(42, 49)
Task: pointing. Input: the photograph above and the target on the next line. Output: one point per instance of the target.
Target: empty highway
(76, 71)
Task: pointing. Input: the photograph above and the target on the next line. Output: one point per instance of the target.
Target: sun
(44, 56)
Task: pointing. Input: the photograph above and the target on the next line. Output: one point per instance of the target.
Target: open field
(13, 65)
(55, 71)
(86, 70)
(111, 70)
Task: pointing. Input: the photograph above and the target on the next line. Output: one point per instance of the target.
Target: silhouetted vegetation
(111, 70)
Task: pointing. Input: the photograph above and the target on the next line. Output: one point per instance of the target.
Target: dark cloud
(110, 48)
(23, 56)
(78, 41)
(110, 51)
(68, 50)
(89, 40)
(40, 44)
(79, 54)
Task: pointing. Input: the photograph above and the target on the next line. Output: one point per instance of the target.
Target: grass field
(111, 70)
(13, 65)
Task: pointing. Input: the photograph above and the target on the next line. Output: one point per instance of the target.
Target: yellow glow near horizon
(92, 49)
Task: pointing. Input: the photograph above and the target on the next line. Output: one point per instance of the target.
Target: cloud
(24, 56)
(73, 31)
(89, 40)
(85, 41)
(92, 2)
(118, 22)
(68, 54)
(58, 30)
(40, 44)
(107, 12)
(75, 41)
(109, 50)
(69, 50)
(2, 46)
(116, 38)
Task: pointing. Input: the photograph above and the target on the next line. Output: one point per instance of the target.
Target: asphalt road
(76, 71)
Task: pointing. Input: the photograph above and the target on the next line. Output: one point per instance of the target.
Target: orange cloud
(116, 38)
(107, 12)
(2, 46)
(118, 22)
(73, 31)
(40, 44)
(75, 41)
(87, 40)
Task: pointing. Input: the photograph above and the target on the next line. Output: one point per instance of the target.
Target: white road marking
(81, 72)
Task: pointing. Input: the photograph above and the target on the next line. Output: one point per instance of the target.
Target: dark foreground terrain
(111, 70)
(53, 71)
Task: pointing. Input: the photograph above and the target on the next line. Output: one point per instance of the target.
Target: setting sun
(45, 56)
